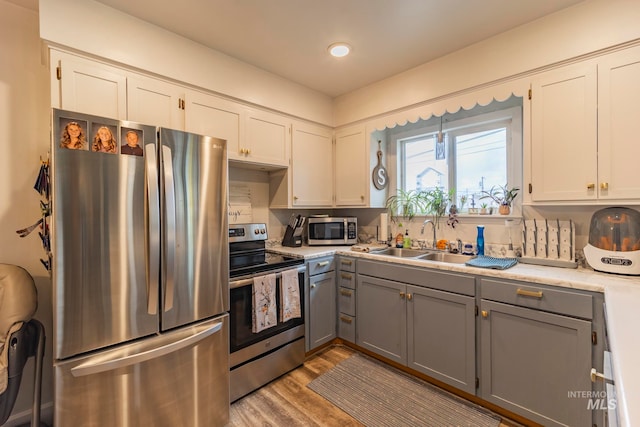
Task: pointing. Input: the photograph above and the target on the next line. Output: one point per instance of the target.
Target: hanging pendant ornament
(379, 174)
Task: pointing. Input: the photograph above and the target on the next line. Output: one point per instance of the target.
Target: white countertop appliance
(614, 241)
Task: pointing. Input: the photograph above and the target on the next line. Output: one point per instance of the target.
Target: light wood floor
(288, 402)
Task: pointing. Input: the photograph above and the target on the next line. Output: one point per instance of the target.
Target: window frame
(464, 122)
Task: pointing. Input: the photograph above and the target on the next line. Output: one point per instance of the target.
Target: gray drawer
(347, 301)
(538, 297)
(346, 279)
(347, 264)
(347, 327)
(320, 265)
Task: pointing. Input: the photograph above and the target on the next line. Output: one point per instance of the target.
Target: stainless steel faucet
(435, 242)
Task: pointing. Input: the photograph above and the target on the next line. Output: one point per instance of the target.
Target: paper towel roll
(383, 229)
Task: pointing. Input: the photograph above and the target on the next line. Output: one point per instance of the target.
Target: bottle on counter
(407, 240)
(399, 240)
(480, 240)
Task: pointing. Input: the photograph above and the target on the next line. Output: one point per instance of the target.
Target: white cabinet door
(87, 86)
(312, 167)
(618, 115)
(155, 102)
(564, 134)
(351, 167)
(212, 116)
(267, 138)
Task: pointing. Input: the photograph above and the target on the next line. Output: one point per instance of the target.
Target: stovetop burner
(272, 261)
(248, 254)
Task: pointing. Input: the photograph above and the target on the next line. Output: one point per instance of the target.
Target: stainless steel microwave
(332, 231)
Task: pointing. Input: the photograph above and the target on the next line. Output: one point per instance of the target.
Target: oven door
(240, 314)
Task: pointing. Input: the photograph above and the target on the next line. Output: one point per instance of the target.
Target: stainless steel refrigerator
(140, 274)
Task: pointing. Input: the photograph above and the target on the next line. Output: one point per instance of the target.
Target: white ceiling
(290, 37)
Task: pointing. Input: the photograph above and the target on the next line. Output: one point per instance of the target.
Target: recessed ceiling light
(339, 49)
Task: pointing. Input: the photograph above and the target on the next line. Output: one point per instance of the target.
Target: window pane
(481, 162)
(421, 169)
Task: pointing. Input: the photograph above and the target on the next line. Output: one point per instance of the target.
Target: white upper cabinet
(88, 87)
(311, 167)
(618, 119)
(564, 144)
(267, 139)
(213, 116)
(584, 142)
(351, 167)
(155, 102)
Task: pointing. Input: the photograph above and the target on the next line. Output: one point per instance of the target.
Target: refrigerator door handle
(170, 229)
(122, 358)
(153, 227)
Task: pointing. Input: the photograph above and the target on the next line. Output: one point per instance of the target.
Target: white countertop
(622, 300)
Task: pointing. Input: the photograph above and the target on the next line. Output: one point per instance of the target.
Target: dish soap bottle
(399, 240)
(407, 241)
(480, 240)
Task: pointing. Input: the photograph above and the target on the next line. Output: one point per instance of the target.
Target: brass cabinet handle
(485, 313)
(346, 319)
(525, 293)
(402, 294)
(591, 186)
(595, 376)
(346, 276)
(346, 262)
(604, 185)
(346, 293)
(409, 297)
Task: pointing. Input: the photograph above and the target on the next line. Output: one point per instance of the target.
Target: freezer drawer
(175, 379)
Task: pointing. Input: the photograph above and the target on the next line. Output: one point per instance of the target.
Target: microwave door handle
(170, 228)
(153, 228)
(346, 230)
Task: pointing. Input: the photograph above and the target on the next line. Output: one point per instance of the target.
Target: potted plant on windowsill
(405, 204)
(437, 201)
(503, 196)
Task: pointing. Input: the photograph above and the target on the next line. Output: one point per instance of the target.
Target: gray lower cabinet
(382, 317)
(320, 298)
(441, 336)
(418, 322)
(346, 287)
(536, 347)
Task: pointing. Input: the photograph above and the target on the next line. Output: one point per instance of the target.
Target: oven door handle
(233, 284)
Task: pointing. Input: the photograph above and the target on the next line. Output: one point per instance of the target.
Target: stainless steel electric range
(258, 358)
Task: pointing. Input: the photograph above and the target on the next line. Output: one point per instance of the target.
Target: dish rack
(549, 242)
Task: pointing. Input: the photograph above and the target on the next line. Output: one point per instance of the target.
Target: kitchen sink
(427, 255)
(401, 252)
(446, 257)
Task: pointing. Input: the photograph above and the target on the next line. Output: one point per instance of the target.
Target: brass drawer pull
(525, 293)
(346, 319)
(346, 276)
(345, 262)
(346, 293)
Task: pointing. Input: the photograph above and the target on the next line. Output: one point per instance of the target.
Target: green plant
(406, 204)
(483, 205)
(437, 201)
(501, 194)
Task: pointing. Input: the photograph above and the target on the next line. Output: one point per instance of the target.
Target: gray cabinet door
(442, 337)
(531, 361)
(382, 317)
(322, 309)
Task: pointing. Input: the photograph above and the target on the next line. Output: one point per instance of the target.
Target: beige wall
(24, 138)
(578, 30)
(149, 48)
